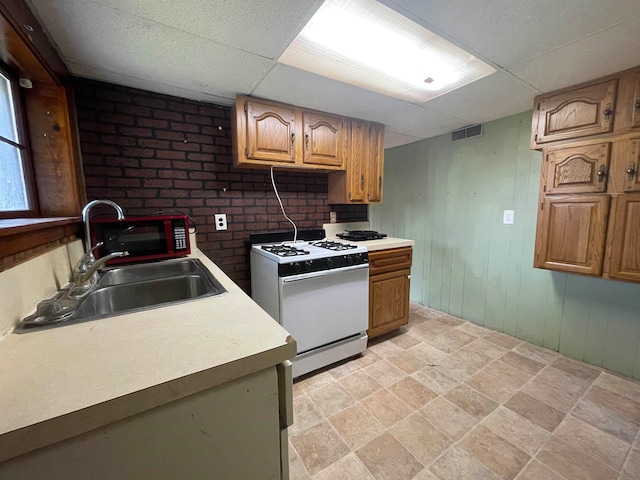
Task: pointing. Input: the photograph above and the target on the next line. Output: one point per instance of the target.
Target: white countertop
(332, 229)
(59, 382)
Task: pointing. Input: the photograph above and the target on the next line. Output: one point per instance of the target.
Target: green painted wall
(449, 198)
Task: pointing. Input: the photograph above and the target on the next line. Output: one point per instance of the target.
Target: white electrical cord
(275, 189)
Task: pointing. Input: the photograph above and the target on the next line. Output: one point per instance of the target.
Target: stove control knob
(329, 262)
(349, 259)
(307, 265)
(297, 267)
(357, 258)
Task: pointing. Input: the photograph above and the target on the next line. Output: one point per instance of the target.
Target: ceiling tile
(601, 54)
(263, 28)
(490, 98)
(508, 32)
(393, 139)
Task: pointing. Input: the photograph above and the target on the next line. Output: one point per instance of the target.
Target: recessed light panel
(364, 43)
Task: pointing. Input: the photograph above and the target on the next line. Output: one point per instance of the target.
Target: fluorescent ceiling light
(364, 43)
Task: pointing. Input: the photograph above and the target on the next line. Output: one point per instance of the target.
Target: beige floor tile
(305, 414)
(632, 466)
(425, 474)
(367, 358)
(408, 362)
(347, 468)
(331, 398)
(385, 373)
(625, 387)
(495, 452)
(538, 412)
(318, 447)
(436, 380)
(296, 468)
(405, 340)
(386, 407)
(551, 395)
(384, 349)
(421, 438)
(577, 369)
(387, 459)
(356, 426)
(488, 349)
(473, 329)
(455, 368)
(450, 320)
(572, 463)
(471, 357)
(564, 380)
(451, 340)
(449, 419)
(359, 385)
(517, 430)
(471, 401)
(539, 354)
(413, 392)
(429, 329)
(504, 341)
(507, 373)
(343, 369)
(427, 352)
(522, 363)
(606, 420)
(297, 390)
(315, 380)
(624, 406)
(491, 387)
(416, 318)
(606, 447)
(538, 471)
(457, 464)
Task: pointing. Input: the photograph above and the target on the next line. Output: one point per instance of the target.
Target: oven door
(320, 308)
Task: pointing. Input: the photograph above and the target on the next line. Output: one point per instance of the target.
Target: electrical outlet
(333, 217)
(221, 221)
(507, 218)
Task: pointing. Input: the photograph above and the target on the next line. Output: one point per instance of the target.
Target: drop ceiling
(211, 50)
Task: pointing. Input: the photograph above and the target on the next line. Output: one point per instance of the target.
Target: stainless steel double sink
(132, 288)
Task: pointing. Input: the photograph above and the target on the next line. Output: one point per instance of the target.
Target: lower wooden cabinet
(625, 238)
(389, 281)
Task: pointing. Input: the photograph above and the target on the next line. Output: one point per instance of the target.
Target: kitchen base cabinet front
(389, 282)
(232, 431)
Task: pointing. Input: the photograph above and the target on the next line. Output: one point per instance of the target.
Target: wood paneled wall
(450, 197)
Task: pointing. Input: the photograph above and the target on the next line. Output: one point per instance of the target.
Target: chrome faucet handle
(85, 279)
(87, 259)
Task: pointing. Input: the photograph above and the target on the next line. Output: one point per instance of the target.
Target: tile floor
(445, 399)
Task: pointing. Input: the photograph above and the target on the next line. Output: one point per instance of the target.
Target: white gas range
(317, 290)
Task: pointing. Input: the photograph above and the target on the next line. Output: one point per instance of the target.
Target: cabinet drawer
(389, 260)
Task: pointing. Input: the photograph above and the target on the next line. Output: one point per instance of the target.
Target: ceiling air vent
(467, 132)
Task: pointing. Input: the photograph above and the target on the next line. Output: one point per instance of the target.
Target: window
(16, 197)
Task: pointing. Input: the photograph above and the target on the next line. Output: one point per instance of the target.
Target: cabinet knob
(601, 173)
(637, 105)
(306, 141)
(607, 111)
(293, 140)
(631, 170)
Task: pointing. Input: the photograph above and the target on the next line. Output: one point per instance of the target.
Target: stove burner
(284, 250)
(335, 246)
(360, 235)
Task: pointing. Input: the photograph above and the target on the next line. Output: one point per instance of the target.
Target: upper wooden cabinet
(598, 108)
(577, 169)
(273, 134)
(362, 181)
(589, 200)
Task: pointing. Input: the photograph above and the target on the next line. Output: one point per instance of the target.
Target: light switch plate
(221, 221)
(333, 217)
(508, 216)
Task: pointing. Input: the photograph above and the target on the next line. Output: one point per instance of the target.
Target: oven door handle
(323, 273)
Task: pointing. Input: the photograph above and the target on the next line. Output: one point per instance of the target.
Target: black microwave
(145, 238)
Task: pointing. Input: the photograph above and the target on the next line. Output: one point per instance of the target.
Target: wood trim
(14, 226)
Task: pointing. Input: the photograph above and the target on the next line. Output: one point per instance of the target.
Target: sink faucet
(85, 219)
(85, 271)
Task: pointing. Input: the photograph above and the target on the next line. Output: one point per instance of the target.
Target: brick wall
(150, 153)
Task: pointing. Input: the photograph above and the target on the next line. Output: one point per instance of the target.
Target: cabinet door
(357, 161)
(270, 133)
(625, 238)
(581, 169)
(388, 301)
(324, 140)
(635, 116)
(573, 232)
(632, 167)
(577, 113)
(376, 163)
